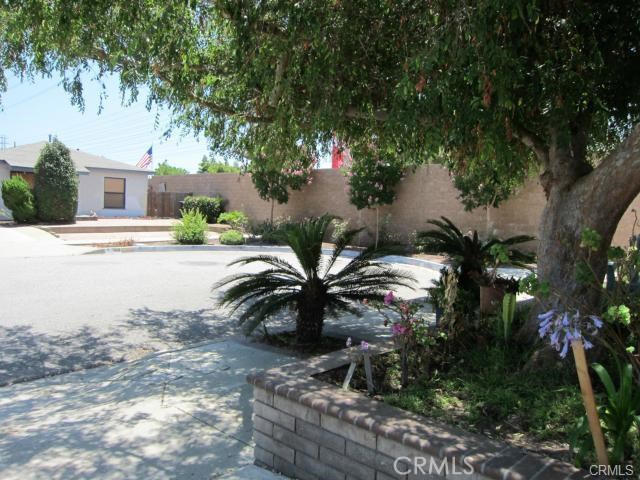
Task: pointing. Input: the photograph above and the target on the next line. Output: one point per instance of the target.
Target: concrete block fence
(424, 194)
(310, 430)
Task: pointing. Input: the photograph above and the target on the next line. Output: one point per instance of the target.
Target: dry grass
(126, 242)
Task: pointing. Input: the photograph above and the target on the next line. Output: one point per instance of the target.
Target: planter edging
(288, 396)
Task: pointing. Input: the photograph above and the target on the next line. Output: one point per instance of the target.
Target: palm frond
(262, 309)
(305, 239)
(269, 260)
(341, 243)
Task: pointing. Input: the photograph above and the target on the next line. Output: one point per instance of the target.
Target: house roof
(24, 157)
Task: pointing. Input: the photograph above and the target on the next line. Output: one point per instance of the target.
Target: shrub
(339, 228)
(468, 254)
(56, 188)
(192, 229)
(210, 207)
(310, 290)
(237, 219)
(270, 232)
(232, 237)
(18, 198)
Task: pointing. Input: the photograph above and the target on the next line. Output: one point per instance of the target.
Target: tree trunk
(310, 318)
(271, 216)
(309, 325)
(577, 200)
(565, 216)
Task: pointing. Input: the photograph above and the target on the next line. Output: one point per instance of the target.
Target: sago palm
(316, 288)
(467, 252)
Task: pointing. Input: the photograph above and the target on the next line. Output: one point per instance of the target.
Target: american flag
(146, 159)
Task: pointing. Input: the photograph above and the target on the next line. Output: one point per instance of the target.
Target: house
(106, 187)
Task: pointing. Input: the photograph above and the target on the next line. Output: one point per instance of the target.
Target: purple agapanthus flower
(562, 328)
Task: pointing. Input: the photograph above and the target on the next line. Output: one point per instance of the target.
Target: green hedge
(17, 197)
(210, 207)
(232, 237)
(56, 188)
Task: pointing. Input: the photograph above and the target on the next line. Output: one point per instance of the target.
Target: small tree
(165, 169)
(17, 196)
(212, 166)
(273, 179)
(56, 188)
(373, 177)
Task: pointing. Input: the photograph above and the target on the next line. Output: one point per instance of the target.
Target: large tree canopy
(498, 89)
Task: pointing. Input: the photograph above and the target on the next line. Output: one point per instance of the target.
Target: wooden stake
(347, 379)
(589, 401)
(368, 373)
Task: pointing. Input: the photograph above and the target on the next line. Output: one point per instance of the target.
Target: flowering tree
(372, 178)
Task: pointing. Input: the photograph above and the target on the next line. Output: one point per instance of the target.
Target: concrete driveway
(70, 312)
(19, 242)
(177, 415)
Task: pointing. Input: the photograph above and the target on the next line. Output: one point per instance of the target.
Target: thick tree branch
(617, 178)
(533, 142)
(278, 84)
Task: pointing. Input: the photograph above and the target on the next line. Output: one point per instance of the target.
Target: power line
(28, 99)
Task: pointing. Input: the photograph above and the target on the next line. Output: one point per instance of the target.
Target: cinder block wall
(428, 193)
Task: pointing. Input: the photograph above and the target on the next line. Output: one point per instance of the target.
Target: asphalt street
(62, 313)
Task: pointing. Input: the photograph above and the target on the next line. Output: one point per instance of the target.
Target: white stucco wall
(5, 214)
(91, 193)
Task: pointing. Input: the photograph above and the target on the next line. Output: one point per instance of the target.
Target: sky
(30, 112)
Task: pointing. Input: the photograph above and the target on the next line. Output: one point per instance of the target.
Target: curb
(399, 259)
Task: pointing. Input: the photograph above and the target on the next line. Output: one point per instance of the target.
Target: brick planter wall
(307, 429)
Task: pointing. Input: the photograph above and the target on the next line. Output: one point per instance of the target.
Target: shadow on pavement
(27, 354)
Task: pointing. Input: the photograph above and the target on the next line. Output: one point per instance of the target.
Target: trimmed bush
(210, 207)
(271, 233)
(232, 237)
(236, 219)
(56, 188)
(192, 229)
(17, 197)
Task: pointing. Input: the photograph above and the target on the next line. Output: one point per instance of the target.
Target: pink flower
(364, 345)
(388, 298)
(399, 329)
(404, 308)
(365, 301)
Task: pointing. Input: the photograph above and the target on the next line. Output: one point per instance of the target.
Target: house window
(114, 191)
(28, 176)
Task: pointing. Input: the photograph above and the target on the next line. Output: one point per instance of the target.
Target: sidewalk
(118, 238)
(182, 414)
(33, 242)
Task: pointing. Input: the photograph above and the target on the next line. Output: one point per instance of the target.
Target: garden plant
(17, 197)
(56, 184)
(236, 219)
(192, 229)
(209, 207)
(232, 237)
(315, 289)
